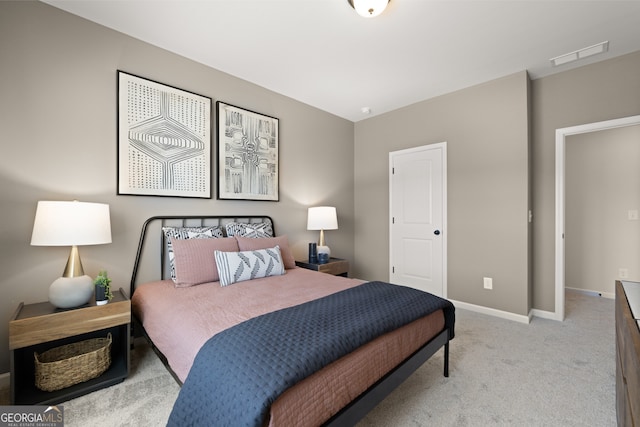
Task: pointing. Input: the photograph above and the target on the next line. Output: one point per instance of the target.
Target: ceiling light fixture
(369, 8)
(580, 54)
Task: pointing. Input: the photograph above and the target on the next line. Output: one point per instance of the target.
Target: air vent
(580, 54)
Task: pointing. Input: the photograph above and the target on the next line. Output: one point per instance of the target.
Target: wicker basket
(73, 363)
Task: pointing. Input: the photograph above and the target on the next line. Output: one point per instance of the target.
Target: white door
(417, 181)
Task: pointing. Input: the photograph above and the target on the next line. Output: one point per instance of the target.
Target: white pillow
(236, 267)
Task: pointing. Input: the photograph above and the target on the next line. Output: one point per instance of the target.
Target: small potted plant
(103, 288)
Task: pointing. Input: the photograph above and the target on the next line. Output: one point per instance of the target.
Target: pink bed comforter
(180, 320)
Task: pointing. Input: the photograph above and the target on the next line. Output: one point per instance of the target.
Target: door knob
(437, 232)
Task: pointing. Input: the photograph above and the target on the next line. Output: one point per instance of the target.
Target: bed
(189, 317)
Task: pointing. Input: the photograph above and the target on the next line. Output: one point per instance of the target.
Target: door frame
(561, 135)
(442, 146)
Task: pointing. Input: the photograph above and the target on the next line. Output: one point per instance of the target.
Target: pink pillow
(194, 259)
(254, 243)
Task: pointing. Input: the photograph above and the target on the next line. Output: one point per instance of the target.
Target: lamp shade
(322, 218)
(71, 224)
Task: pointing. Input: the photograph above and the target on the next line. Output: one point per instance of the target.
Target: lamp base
(69, 292)
(324, 250)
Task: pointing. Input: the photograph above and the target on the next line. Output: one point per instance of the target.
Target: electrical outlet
(488, 283)
(623, 273)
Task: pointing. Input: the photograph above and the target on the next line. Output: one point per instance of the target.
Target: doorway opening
(561, 135)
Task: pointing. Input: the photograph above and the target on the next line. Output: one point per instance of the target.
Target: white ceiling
(322, 53)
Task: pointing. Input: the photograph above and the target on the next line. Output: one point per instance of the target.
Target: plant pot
(101, 295)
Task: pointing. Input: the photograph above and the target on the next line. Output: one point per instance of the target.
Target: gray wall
(487, 135)
(602, 181)
(602, 91)
(486, 127)
(58, 136)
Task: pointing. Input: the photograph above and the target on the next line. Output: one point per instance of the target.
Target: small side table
(335, 266)
(41, 326)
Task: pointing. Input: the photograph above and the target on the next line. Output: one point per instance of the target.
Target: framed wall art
(164, 139)
(247, 154)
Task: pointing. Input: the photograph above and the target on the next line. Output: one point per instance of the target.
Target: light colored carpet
(145, 398)
(546, 373)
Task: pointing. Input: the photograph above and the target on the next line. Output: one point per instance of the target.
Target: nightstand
(335, 266)
(41, 326)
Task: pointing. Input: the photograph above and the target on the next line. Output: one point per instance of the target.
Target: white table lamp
(71, 224)
(322, 218)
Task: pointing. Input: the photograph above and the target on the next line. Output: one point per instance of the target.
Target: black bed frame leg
(446, 359)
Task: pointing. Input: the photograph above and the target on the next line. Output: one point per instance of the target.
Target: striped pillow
(253, 243)
(257, 229)
(236, 267)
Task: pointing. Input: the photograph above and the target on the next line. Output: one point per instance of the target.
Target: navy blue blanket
(239, 372)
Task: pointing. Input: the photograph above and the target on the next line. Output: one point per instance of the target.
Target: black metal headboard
(151, 252)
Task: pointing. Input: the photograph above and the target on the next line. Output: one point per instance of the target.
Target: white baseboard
(534, 312)
(609, 295)
(543, 314)
(492, 312)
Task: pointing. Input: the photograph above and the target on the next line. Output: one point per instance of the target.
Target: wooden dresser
(628, 353)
